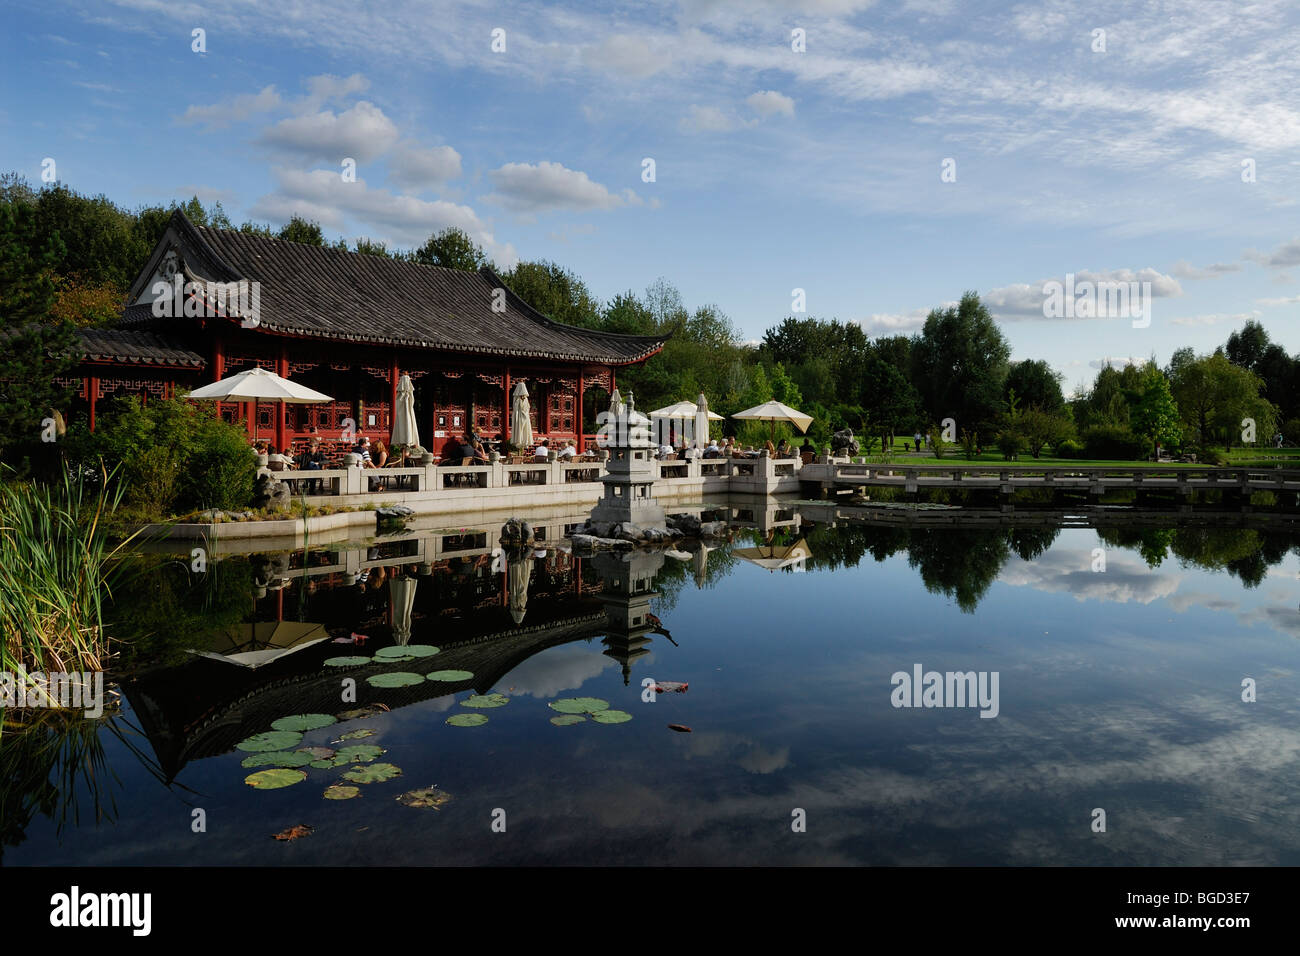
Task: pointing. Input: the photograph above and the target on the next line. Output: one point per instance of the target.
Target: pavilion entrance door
(450, 411)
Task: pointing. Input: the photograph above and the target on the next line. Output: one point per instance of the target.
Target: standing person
(918, 439)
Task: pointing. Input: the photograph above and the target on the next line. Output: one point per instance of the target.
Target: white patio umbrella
(774, 557)
(401, 595)
(774, 412)
(521, 426)
(406, 431)
(702, 418)
(254, 645)
(683, 411)
(257, 385)
(519, 574)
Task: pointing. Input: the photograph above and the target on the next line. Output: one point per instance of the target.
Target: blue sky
(774, 169)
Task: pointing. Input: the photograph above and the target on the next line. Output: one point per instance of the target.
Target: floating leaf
(611, 717)
(394, 654)
(468, 720)
(680, 728)
(486, 700)
(290, 758)
(579, 705)
(359, 734)
(375, 773)
(303, 722)
(395, 679)
(325, 763)
(317, 753)
(294, 832)
(370, 710)
(359, 753)
(271, 740)
(275, 779)
(341, 791)
(568, 720)
(450, 676)
(421, 650)
(430, 798)
(346, 661)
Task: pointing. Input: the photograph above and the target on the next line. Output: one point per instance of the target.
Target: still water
(1121, 656)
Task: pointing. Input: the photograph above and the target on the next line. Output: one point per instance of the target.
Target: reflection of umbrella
(257, 385)
(775, 556)
(519, 573)
(776, 412)
(521, 426)
(401, 596)
(405, 429)
(252, 645)
(701, 565)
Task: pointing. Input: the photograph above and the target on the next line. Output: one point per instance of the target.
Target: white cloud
(711, 119)
(889, 322)
(1285, 255)
(1025, 300)
(530, 189)
(1185, 270)
(1216, 318)
(770, 103)
(398, 220)
(415, 168)
(234, 110)
(1289, 300)
(362, 133)
(628, 55)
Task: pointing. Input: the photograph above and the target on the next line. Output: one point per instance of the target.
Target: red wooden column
(582, 417)
(505, 423)
(392, 402)
(612, 384)
(281, 369)
(218, 363)
(92, 393)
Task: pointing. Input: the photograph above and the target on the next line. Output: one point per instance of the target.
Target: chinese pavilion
(348, 325)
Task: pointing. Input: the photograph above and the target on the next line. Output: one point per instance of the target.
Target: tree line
(66, 261)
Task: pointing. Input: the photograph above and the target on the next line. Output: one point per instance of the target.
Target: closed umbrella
(257, 385)
(519, 574)
(406, 431)
(521, 426)
(401, 596)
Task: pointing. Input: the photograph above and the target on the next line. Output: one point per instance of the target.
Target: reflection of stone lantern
(627, 588)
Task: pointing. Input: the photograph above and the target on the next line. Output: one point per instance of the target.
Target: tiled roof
(320, 292)
(146, 348)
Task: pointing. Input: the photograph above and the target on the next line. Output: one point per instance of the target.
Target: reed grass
(58, 565)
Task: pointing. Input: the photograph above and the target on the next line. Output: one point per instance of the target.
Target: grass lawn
(995, 459)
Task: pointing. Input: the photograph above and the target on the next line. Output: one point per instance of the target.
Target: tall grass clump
(58, 565)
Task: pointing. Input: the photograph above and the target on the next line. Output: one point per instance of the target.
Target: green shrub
(1011, 444)
(937, 444)
(970, 443)
(1069, 448)
(221, 471)
(1114, 442)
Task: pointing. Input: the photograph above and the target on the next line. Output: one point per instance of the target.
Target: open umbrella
(521, 426)
(773, 557)
(257, 385)
(406, 431)
(684, 411)
(253, 645)
(775, 412)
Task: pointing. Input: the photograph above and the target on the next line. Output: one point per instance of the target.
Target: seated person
(806, 448)
(712, 451)
(276, 461)
(783, 449)
(569, 450)
(543, 451)
(467, 450)
(665, 451)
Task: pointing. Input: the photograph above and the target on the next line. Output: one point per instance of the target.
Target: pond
(1124, 694)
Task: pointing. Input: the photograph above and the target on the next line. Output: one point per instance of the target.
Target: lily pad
(317, 753)
(325, 763)
(430, 798)
(449, 676)
(395, 654)
(468, 720)
(611, 717)
(375, 773)
(275, 779)
(341, 791)
(271, 740)
(568, 720)
(303, 722)
(395, 679)
(346, 661)
(420, 650)
(359, 753)
(359, 734)
(486, 700)
(289, 758)
(579, 705)
(370, 710)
